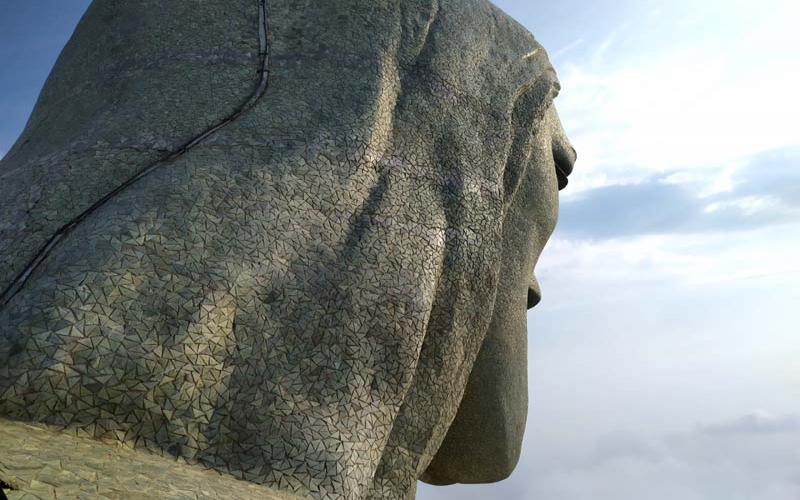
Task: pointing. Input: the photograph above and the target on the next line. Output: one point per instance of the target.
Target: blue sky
(665, 355)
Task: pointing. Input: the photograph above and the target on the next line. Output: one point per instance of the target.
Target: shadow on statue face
(483, 443)
(562, 160)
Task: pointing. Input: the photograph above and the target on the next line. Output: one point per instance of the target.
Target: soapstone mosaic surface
(290, 241)
(50, 465)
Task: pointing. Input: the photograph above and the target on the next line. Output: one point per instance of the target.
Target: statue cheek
(535, 209)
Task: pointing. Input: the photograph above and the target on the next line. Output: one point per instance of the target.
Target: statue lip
(534, 293)
(562, 178)
(564, 157)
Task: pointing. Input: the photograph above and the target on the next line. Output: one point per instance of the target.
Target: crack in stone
(261, 87)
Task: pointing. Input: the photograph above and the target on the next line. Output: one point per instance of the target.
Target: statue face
(552, 151)
(484, 441)
(322, 279)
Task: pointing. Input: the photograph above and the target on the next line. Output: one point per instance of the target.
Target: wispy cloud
(670, 283)
(602, 269)
(695, 465)
(754, 423)
(763, 191)
(692, 465)
(601, 50)
(690, 104)
(566, 49)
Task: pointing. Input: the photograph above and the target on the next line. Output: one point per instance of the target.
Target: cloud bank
(763, 191)
(756, 456)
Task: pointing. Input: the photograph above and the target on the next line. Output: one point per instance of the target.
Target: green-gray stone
(290, 241)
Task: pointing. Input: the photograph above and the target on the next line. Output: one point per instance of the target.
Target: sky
(664, 358)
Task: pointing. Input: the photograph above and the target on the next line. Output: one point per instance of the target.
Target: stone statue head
(291, 241)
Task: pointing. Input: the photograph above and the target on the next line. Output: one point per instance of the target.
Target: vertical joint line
(261, 87)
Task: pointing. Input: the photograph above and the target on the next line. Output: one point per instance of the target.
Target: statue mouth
(562, 178)
(564, 161)
(534, 293)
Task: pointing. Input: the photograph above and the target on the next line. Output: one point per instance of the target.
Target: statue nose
(564, 155)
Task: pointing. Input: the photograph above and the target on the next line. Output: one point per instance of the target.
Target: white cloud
(678, 260)
(756, 422)
(566, 49)
(714, 180)
(721, 180)
(747, 205)
(682, 110)
(691, 465)
(629, 260)
(696, 104)
(599, 53)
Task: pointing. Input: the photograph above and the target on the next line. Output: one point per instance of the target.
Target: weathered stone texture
(298, 299)
(43, 464)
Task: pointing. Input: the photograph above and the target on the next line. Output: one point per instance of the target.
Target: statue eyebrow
(531, 53)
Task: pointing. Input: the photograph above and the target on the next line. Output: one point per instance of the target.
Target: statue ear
(530, 104)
